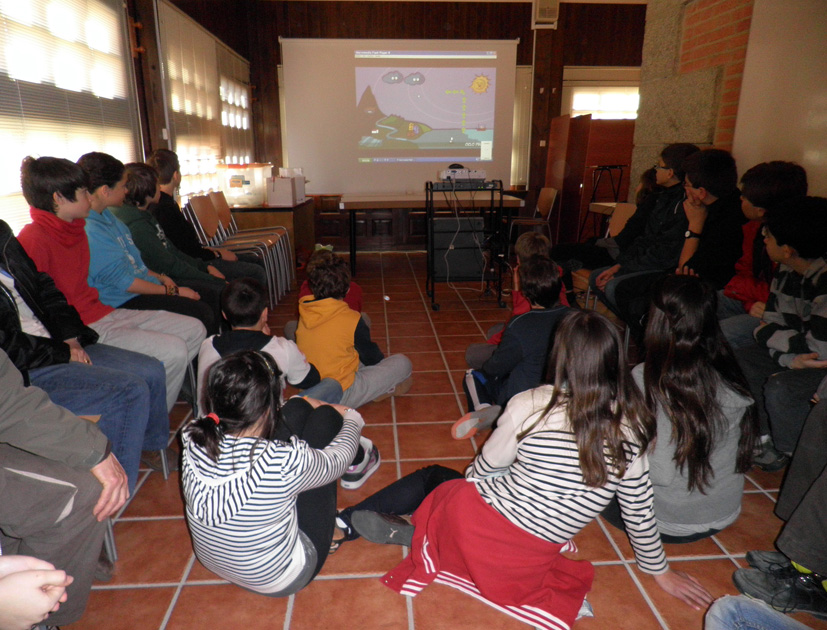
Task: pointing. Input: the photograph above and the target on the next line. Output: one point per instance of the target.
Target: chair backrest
(206, 214)
(621, 214)
(225, 214)
(545, 202)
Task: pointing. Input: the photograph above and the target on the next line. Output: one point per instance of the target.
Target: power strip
(461, 174)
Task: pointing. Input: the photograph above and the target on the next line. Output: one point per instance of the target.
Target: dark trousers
(404, 495)
(614, 517)
(198, 309)
(574, 256)
(783, 395)
(46, 512)
(802, 501)
(316, 508)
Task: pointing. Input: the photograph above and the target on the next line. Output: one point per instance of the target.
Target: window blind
(65, 88)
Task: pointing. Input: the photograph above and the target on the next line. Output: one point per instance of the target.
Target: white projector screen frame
(337, 131)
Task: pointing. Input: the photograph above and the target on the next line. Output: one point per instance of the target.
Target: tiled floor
(159, 584)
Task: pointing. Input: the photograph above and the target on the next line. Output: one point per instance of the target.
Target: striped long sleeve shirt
(796, 314)
(241, 510)
(537, 484)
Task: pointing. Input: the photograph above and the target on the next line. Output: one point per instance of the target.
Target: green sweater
(158, 253)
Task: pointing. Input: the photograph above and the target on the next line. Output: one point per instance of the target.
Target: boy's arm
(109, 264)
(506, 357)
(163, 260)
(369, 352)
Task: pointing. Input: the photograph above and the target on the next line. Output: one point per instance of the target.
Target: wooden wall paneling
(264, 59)
(557, 167)
(576, 156)
(228, 21)
(148, 77)
(602, 34)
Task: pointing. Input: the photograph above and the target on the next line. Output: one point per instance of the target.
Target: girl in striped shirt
(259, 479)
(559, 454)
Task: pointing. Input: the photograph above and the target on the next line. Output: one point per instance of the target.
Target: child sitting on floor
(557, 457)
(527, 245)
(518, 361)
(337, 341)
(259, 478)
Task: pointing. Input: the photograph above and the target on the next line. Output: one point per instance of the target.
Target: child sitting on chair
(337, 341)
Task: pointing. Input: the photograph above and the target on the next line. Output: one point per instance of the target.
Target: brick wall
(715, 34)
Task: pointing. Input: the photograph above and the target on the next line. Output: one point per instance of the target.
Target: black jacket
(179, 230)
(47, 303)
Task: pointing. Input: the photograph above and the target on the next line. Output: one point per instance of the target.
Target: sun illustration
(480, 84)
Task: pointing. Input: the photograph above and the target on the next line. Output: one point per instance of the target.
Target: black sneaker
(358, 474)
(770, 459)
(801, 592)
(385, 529)
(770, 562)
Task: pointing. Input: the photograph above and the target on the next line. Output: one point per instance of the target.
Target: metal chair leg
(109, 541)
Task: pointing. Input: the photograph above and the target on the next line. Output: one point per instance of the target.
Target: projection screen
(385, 116)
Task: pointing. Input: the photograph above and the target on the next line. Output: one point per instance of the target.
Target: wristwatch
(691, 234)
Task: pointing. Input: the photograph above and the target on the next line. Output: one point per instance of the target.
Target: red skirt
(463, 542)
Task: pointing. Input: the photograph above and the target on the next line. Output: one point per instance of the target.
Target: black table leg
(353, 242)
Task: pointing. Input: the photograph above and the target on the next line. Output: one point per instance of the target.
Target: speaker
(458, 248)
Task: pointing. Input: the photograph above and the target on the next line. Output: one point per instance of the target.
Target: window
(236, 118)
(193, 109)
(65, 88)
(601, 92)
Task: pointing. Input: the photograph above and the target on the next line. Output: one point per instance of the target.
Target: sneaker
(385, 529)
(152, 459)
(798, 593)
(768, 561)
(358, 474)
(474, 421)
(399, 390)
(770, 459)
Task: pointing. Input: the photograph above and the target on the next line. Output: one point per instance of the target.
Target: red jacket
(463, 542)
(744, 286)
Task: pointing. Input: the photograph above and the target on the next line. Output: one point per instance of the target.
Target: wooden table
(353, 203)
(298, 220)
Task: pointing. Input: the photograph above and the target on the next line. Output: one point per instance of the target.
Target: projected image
(426, 109)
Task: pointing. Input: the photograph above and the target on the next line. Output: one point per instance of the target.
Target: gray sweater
(680, 512)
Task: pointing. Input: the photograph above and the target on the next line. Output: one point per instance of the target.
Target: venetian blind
(65, 88)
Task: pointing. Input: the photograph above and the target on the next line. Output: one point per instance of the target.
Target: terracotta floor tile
(756, 528)
(592, 545)
(441, 607)
(431, 383)
(714, 575)
(203, 606)
(766, 480)
(382, 437)
(618, 604)
(355, 603)
(414, 344)
(403, 306)
(200, 573)
(458, 328)
(151, 551)
(426, 361)
(456, 359)
(122, 609)
(157, 497)
(421, 441)
(437, 408)
(377, 412)
(362, 558)
(451, 315)
(459, 342)
(411, 329)
(405, 292)
(399, 317)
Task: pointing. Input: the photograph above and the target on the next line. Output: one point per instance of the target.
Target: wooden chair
(617, 222)
(542, 214)
(229, 229)
(203, 215)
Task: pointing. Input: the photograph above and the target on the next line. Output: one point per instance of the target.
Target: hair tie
(214, 418)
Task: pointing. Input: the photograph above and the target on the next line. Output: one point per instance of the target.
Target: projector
(460, 174)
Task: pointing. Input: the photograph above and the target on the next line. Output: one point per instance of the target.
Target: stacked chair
(229, 229)
(203, 215)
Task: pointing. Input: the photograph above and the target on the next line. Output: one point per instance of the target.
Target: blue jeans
(233, 269)
(327, 390)
(742, 613)
(736, 324)
(127, 390)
